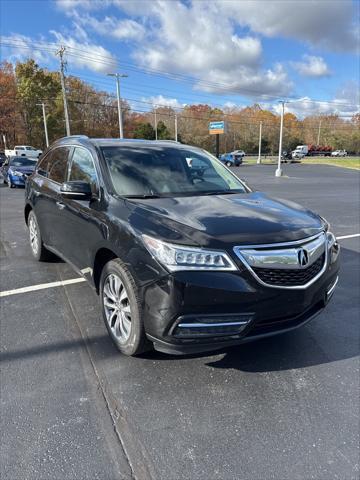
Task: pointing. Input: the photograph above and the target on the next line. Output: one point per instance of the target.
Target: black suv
(182, 253)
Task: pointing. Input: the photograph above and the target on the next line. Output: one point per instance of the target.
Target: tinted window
(163, 170)
(42, 167)
(20, 148)
(82, 167)
(22, 162)
(57, 164)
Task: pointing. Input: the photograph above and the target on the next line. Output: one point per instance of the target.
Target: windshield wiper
(222, 192)
(149, 195)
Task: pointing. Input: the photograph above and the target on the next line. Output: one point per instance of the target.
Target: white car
(241, 153)
(23, 151)
(339, 153)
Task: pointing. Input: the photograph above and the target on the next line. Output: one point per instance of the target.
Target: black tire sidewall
(135, 343)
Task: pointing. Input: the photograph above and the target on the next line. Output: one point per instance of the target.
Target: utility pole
(155, 122)
(45, 124)
(260, 131)
(278, 172)
(176, 128)
(118, 76)
(318, 138)
(62, 80)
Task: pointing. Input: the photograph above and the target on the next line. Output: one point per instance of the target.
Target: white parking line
(41, 286)
(348, 236)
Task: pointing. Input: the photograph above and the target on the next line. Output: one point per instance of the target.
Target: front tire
(10, 184)
(228, 164)
(121, 309)
(40, 253)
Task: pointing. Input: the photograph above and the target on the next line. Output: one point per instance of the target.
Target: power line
(174, 76)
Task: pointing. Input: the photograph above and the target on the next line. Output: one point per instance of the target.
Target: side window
(42, 166)
(83, 168)
(57, 165)
(20, 148)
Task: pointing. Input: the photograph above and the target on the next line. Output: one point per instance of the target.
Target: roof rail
(77, 136)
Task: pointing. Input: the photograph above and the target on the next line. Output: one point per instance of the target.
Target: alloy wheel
(34, 235)
(117, 307)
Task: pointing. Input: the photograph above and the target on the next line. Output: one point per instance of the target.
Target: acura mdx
(183, 254)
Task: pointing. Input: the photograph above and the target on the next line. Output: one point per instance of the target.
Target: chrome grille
(286, 265)
(287, 277)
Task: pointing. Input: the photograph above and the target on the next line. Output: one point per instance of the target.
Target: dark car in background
(16, 170)
(184, 256)
(231, 159)
(2, 158)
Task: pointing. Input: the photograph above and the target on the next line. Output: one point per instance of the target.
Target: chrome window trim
(285, 244)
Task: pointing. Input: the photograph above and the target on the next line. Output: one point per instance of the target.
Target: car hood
(25, 170)
(222, 220)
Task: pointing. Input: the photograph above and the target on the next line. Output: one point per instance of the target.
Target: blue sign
(216, 127)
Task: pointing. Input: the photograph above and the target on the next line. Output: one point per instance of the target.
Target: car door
(82, 222)
(51, 173)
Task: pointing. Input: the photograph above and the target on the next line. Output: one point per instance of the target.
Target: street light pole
(278, 172)
(176, 128)
(318, 137)
(62, 80)
(118, 76)
(155, 121)
(260, 131)
(45, 124)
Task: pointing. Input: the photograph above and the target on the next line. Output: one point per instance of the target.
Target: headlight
(331, 239)
(17, 174)
(333, 246)
(178, 257)
(327, 224)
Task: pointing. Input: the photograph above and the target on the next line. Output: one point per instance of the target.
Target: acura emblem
(303, 257)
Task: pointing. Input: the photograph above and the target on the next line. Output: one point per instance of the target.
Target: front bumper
(16, 180)
(248, 310)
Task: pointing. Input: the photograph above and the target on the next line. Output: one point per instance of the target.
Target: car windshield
(144, 171)
(22, 162)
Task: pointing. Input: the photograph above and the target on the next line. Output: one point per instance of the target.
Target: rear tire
(121, 309)
(40, 253)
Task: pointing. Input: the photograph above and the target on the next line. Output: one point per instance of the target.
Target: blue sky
(221, 52)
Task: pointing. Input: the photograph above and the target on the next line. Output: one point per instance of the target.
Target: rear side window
(20, 148)
(83, 168)
(57, 164)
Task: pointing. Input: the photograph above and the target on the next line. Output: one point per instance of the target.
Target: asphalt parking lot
(281, 408)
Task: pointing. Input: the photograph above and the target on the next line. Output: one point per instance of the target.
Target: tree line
(94, 113)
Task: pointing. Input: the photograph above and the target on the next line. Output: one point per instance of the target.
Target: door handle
(60, 205)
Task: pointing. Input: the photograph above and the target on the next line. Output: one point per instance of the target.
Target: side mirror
(77, 190)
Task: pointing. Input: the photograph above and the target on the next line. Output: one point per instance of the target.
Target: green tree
(35, 85)
(145, 131)
(163, 132)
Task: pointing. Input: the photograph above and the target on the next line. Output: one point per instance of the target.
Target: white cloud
(329, 24)
(70, 5)
(160, 101)
(248, 82)
(22, 47)
(126, 29)
(312, 66)
(80, 52)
